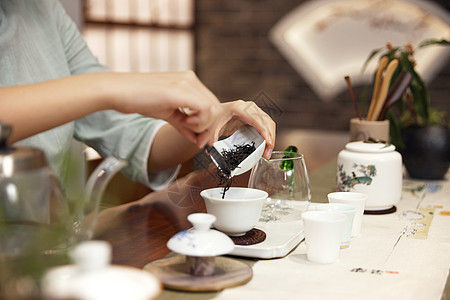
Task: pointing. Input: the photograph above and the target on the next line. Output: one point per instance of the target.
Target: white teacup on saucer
(236, 213)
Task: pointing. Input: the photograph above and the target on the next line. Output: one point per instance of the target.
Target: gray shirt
(39, 42)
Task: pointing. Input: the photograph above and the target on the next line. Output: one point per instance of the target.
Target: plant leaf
(429, 42)
(369, 58)
(395, 131)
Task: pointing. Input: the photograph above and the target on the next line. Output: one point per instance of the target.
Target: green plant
(415, 107)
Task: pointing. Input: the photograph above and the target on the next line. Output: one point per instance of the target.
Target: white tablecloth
(403, 255)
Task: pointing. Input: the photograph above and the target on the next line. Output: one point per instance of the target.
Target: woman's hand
(181, 99)
(236, 114)
(177, 97)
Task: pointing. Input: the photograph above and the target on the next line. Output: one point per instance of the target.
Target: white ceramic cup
(238, 212)
(358, 200)
(349, 211)
(323, 232)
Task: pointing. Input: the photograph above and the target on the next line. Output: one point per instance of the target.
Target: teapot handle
(86, 217)
(59, 208)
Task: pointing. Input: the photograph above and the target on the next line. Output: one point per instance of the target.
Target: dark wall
(235, 59)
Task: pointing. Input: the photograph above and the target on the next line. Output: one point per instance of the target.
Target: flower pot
(427, 151)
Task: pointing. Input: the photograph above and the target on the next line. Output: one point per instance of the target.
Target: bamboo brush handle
(390, 69)
(376, 86)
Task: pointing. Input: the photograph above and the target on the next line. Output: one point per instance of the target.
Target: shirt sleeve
(128, 137)
(79, 57)
(125, 136)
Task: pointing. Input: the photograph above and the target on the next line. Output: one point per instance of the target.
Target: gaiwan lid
(201, 240)
(93, 278)
(368, 147)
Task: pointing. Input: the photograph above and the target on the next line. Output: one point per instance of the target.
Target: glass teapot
(33, 209)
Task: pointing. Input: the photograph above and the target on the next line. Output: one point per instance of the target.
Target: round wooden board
(174, 274)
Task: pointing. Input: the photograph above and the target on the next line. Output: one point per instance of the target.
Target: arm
(34, 108)
(169, 148)
(157, 95)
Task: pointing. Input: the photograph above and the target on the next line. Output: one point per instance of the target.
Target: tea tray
(281, 238)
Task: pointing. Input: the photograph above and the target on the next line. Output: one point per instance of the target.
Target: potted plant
(419, 132)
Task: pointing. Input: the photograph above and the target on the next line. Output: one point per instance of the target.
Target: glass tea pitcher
(33, 209)
(285, 178)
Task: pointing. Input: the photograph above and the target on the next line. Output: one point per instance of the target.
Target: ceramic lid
(201, 240)
(361, 146)
(93, 278)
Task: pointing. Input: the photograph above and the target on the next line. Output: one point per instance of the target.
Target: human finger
(250, 113)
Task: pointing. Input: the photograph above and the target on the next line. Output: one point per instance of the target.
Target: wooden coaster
(252, 237)
(391, 210)
(173, 273)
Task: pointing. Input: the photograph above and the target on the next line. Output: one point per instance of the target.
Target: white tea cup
(323, 232)
(349, 211)
(237, 212)
(358, 200)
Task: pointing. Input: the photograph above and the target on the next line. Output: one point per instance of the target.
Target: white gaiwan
(201, 244)
(237, 212)
(244, 135)
(93, 278)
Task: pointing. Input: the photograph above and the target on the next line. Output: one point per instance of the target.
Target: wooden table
(138, 231)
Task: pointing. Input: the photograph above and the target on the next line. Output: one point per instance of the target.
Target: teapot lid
(369, 147)
(93, 277)
(17, 159)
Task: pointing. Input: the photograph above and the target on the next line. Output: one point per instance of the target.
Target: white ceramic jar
(374, 169)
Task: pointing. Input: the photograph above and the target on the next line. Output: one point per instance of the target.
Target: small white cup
(349, 211)
(323, 231)
(358, 200)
